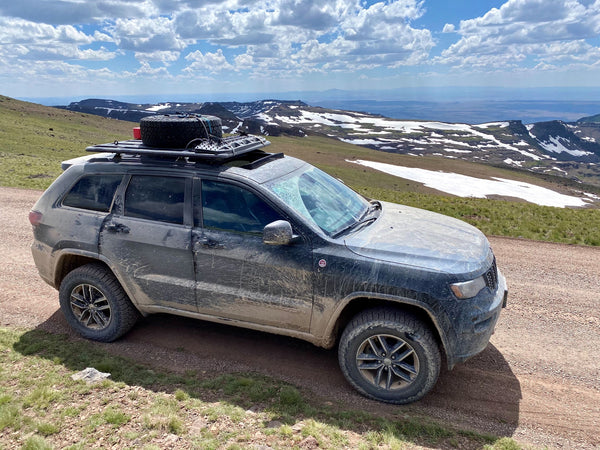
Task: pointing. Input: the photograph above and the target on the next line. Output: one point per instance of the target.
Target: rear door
(237, 275)
(148, 241)
(83, 210)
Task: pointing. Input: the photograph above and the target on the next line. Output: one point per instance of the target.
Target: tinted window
(94, 192)
(155, 198)
(229, 207)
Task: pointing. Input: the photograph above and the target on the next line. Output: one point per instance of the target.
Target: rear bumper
(43, 259)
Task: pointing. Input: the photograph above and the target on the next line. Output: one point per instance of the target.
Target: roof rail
(197, 149)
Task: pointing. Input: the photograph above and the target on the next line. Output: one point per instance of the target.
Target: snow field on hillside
(466, 186)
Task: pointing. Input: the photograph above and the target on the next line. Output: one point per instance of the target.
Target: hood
(419, 238)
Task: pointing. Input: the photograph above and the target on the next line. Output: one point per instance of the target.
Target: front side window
(321, 199)
(93, 192)
(155, 198)
(229, 207)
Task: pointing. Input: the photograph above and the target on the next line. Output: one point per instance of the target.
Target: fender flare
(59, 269)
(329, 335)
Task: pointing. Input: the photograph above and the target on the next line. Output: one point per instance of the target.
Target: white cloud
(63, 12)
(449, 28)
(244, 62)
(166, 57)
(284, 39)
(19, 31)
(146, 70)
(43, 42)
(540, 29)
(207, 62)
(310, 14)
(147, 35)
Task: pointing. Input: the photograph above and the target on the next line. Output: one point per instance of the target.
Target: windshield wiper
(365, 218)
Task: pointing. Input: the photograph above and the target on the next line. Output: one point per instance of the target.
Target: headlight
(468, 289)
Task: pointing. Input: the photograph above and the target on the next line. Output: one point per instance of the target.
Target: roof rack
(198, 149)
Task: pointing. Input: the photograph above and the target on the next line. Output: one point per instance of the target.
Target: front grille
(491, 276)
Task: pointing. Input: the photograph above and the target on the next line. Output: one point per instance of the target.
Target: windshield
(321, 199)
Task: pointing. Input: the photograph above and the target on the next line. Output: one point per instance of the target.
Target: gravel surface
(538, 381)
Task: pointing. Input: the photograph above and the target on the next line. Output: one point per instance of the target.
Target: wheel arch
(359, 303)
(67, 262)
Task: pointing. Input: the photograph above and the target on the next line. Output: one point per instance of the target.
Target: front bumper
(475, 334)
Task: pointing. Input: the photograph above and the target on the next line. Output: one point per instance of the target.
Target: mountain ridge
(566, 149)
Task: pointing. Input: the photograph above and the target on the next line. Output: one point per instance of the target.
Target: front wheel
(389, 356)
(95, 304)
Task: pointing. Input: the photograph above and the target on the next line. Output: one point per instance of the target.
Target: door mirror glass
(278, 233)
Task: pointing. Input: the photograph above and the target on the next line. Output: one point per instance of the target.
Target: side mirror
(278, 233)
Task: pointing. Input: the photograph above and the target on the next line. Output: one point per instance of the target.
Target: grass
(42, 407)
(35, 139)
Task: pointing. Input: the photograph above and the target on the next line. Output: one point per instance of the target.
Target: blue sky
(112, 48)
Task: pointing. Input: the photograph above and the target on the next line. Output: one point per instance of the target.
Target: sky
(112, 48)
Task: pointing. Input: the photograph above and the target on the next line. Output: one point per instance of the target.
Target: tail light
(35, 218)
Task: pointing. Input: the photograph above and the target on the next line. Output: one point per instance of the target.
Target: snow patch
(362, 141)
(493, 124)
(265, 118)
(511, 162)
(465, 186)
(159, 107)
(555, 145)
(558, 169)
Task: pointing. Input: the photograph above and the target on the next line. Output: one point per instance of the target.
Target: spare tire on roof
(176, 131)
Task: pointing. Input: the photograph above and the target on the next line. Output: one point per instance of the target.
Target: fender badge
(322, 263)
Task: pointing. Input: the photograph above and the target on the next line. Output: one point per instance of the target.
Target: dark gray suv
(226, 232)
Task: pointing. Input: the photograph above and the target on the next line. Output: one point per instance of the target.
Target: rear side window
(155, 198)
(93, 192)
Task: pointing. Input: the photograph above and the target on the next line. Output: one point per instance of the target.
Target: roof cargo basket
(200, 149)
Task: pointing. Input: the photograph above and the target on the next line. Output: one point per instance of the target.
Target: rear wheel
(95, 304)
(389, 356)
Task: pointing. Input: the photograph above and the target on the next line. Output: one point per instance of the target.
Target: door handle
(209, 243)
(117, 228)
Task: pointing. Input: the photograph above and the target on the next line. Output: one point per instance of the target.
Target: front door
(238, 276)
(148, 241)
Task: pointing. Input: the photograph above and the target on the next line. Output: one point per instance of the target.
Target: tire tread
(123, 311)
(391, 318)
(177, 131)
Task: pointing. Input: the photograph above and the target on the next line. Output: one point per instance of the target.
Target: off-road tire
(360, 362)
(177, 131)
(95, 305)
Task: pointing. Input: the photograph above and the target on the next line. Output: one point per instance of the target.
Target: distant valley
(566, 149)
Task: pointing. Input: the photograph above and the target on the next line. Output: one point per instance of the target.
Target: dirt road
(538, 381)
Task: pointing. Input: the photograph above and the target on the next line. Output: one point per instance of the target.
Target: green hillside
(34, 140)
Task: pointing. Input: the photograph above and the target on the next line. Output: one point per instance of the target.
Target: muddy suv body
(268, 242)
